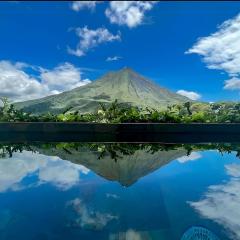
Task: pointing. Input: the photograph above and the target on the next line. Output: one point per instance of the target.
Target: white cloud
(221, 203)
(191, 95)
(192, 157)
(79, 5)
(90, 38)
(130, 13)
(89, 218)
(49, 169)
(232, 84)
(19, 85)
(221, 50)
(114, 58)
(63, 77)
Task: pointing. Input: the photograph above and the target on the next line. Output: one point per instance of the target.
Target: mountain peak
(126, 69)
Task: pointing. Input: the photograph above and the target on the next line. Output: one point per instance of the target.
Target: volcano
(125, 85)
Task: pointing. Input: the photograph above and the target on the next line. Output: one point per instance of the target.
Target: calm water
(119, 191)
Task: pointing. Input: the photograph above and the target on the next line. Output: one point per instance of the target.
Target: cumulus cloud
(232, 84)
(79, 5)
(192, 157)
(89, 218)
(221, 203)
(63, 77)
(49, 169)
(191, 95)
(114, 58)
(91, 38)
(221, 50)
(19, 85)
(130, 13)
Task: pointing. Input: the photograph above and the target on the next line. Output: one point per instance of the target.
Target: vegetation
(189, 112)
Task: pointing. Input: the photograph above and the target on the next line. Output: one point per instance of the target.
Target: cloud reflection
(192, 157)
(221, 203)
(48, 169)
(130, 234)
(88, 218)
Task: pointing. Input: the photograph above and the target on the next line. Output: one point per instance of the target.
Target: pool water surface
(116, 191)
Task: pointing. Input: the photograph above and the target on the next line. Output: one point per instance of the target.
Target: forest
(188, 112)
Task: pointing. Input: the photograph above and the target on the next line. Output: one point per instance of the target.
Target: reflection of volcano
(126, 170)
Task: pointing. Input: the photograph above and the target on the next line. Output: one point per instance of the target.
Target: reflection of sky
(62, 174)
(88, 218)
(192, 157)
(221, 202)
(90, 207)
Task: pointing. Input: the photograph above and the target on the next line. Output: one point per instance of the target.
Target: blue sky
(50, 47)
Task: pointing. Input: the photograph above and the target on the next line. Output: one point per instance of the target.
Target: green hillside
(125, 85)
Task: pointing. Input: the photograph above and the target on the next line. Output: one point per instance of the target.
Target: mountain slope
(125, 85)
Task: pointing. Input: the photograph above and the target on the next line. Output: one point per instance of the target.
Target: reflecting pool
(119, 191)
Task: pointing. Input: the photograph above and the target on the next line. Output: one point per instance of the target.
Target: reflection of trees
(7, 150)
(117, 150)
(130, 161)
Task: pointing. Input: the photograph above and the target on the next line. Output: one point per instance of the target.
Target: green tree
(187, 105)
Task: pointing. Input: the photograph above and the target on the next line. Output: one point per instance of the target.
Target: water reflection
(89, 218)
(51, 169)
(221, 202)
(119, 191)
